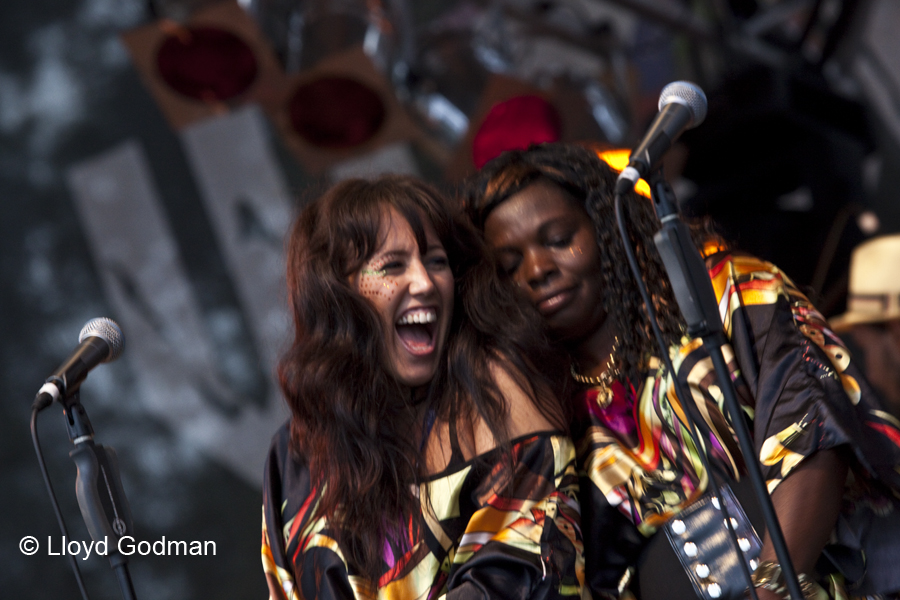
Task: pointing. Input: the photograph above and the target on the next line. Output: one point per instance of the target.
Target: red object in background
(206, 63)
(515, 124)
(336, 112)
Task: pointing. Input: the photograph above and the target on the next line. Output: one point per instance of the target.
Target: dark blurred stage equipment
(778, 165)
(98, 486)
(210, 60)
(457, 78)
(339, 57)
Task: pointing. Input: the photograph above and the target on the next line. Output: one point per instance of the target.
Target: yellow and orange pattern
(795, 381)
(483, 526)
(800, 392)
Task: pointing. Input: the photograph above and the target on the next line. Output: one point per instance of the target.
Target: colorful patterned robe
(800, 393)
(523, 541)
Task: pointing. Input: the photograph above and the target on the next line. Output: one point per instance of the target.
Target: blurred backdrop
(154, 152)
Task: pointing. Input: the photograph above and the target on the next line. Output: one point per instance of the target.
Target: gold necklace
(604, 380)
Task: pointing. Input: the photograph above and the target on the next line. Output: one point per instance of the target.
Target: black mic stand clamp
(98, 488)
(696, 298)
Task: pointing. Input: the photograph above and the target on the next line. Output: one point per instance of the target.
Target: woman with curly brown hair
(425, 454)
(548, 212)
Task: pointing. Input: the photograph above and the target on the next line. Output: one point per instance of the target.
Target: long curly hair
(351, 419)
(591, 181)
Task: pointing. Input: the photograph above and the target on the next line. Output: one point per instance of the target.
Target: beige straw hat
(874, 293)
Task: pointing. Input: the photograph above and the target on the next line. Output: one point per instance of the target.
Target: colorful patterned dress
(480, 539)
(800, 393)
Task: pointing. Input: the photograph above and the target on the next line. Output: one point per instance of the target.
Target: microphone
(100, 341)
(682, 105)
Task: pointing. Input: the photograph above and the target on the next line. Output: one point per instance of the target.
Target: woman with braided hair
(827, 451)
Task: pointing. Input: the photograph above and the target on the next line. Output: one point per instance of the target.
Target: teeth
(428, 315)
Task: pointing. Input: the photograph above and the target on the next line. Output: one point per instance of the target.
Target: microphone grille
(108, 331)
(688, 94)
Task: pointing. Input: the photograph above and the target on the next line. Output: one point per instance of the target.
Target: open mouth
(416, 330)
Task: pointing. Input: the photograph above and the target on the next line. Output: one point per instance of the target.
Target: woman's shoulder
(473, 437)
(755, 281)
(523, 400)
(280, 445)
(740, 263)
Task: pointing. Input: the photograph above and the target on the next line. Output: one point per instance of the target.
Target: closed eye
(560, 241)
(438, 261)
(510, 265)
(392, 266)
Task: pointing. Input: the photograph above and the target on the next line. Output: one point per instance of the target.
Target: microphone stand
(697, 300)
(98, 488)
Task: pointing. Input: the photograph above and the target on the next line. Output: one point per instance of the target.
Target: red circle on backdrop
(206, 63)
(336, 112)
(515, 124)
